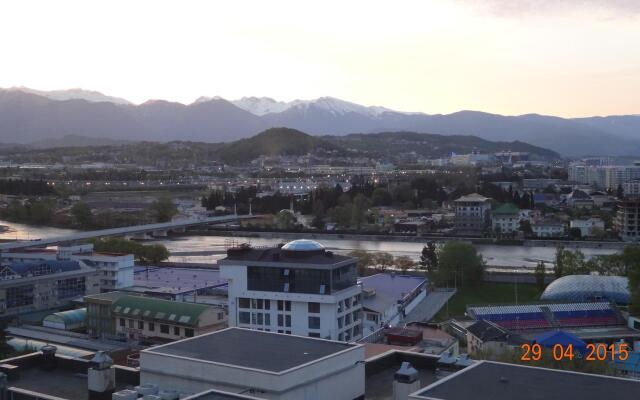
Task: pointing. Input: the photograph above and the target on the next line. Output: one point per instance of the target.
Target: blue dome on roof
(303, 245)
(588, 288)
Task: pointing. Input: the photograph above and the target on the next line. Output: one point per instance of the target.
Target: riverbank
(406, 238)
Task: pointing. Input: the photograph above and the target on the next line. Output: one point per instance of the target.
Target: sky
(558, 57)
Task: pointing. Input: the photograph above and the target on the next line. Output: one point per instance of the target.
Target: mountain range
(28, 116)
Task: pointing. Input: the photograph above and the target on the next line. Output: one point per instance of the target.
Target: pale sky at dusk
(563, 57)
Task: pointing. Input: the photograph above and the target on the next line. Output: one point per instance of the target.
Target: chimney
(101, 377)
(405, 382)
(49, 361)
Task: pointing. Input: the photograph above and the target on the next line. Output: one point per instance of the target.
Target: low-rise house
(485, 337)
(548, 228)
(579, 199)
(588, 227)
(141, 318)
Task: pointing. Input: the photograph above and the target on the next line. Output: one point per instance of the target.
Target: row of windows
(151, 327)
(263, 304)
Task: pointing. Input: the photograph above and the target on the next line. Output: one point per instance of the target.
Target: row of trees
(147, 254)
(25, 187)
(455, 263)
(161, 210)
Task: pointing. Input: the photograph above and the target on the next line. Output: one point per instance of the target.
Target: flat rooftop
(253, 349)
(168, 280)
(488, 380)
(275, 254)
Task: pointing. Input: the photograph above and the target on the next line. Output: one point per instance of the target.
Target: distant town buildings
(299, 288)
(588, 227)
(548, 228)
(603, 176)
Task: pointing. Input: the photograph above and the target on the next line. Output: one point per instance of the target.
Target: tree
(82, 215)
(620, 192)
(429, 257)
(381, 197)
(285, 220)
(383, 260)
(155, 253)
(358, 211)
(558, 267)
(163, 209)
(365, 259)
(404, 263)
(540, 274)
(459, 261)
(575, 233)
(318, 215)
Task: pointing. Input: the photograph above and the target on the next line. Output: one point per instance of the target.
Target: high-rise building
(299, 288)
(628, 219)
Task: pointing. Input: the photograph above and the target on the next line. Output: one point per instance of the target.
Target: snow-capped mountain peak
(69, 94)
(262, 105)
(266, 105)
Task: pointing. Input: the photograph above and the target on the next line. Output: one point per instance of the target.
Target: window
(131, 323)
(340, 322)
(188, 332)
(287, 321)
(287, 305)
(254, 319)
(164, 329)
(280, 319)
(347, 319)
(244, 302)
(267, 319)
(220, 316)
(140, 325)
(244, 317)
(314, 322)
(121, 321)
(314, 308)
(260, 319)
(267, 304)
(152, 326)
(176, 330)
(280, 305)
(314, 334)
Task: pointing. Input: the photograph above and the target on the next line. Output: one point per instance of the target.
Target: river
(207, 249)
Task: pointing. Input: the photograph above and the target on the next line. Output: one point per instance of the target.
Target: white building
(116, 270)
(261, 364)
(300, 289)
(548, 229)
(587, 226)
(505, 219)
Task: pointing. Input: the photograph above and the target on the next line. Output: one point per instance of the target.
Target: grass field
(488, 293)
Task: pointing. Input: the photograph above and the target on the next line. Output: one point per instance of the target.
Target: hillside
(389, 144)
(274, 142)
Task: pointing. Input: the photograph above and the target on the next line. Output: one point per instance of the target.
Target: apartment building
(628, 219)
(505, 219)
(299, 288)
(42, 285)
(473, 214)
(115, 269)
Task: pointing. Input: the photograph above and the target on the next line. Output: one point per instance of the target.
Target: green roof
(174, 312)
(68, 317)
(507, 208)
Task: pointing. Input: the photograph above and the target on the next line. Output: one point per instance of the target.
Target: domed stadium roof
(303, 245)
(588, 288)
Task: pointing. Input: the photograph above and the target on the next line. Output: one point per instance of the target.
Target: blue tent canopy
(551, 338)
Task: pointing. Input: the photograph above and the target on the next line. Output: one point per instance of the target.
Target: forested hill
(431, 145)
